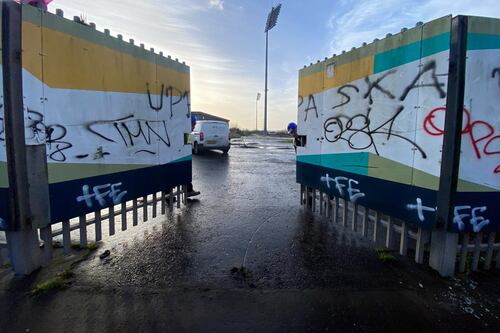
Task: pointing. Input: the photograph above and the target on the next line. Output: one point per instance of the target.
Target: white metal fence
(93, 227)
(475, 251)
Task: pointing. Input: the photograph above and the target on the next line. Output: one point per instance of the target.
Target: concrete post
(22, 239)
(444, 240)
(443, 252)
(24, 251)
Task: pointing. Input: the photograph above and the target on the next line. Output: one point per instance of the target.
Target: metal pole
(265, 91)
(256, 129)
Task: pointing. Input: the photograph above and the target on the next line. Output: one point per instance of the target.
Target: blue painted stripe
(411, 52)
(350, 162)
(392, 198)
(476, 41)
(136, 183)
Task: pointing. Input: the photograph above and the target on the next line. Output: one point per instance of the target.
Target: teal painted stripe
(411, 52)
(396, 57)
(182, 159)
(350, 162)
(436, 44)
(477, 41)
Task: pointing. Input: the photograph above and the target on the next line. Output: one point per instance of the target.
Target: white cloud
(220, 84)
(219, 4)
(364, 20)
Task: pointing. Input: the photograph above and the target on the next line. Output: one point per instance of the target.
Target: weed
(54, 283)
(92, 246)
(385, 255)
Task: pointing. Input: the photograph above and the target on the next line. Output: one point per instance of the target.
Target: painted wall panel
(478, 208)
(112, 115)
(381, 133)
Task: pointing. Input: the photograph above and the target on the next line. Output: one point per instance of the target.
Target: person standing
(292, 130)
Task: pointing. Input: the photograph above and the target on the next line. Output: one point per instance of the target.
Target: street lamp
(256, 100)
(272, 18)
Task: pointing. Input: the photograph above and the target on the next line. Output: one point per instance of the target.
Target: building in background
(206, 116)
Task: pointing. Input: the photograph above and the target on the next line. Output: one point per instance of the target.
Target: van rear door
(216, 134)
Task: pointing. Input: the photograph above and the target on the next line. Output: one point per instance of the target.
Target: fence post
(320, 203)
(22, 239)
(463, 252)
(376, 224)
(389, 232)
(301, 194)
(335, 209)
(420, 245)
(354, 217)
(345, 211)
(443, 240)
(403, 242)
(489, 250)
(364, 226)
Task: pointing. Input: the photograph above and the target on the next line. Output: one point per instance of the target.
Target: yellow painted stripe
(387, 169)
(60, 172)
(311, 84)
(32, 49)
(73, 63)
(345, 73)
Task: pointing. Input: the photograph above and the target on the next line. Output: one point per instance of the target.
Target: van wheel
(195, 148)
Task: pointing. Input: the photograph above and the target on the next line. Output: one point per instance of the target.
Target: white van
(210, 134)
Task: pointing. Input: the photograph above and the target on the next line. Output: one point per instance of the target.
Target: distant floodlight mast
(256, 101)
(272, 19)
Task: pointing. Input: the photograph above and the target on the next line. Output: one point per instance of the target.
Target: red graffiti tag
(470, 128)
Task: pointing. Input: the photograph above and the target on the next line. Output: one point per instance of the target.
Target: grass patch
(468, 263)
(92, 246)
(55, 283)
(75, 246)
(385, 255)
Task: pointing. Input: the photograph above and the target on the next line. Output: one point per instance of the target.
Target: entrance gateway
(384, 125)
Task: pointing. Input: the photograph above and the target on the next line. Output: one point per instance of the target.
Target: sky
(223, 41)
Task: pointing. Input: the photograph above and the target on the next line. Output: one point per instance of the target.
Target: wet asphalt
(182, 272)
(248, 215)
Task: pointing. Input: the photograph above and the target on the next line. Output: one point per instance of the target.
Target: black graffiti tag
(170, 93)
(376, 84)
(341, 92)
(430, 66)
(311, 105)
(358, 130)
(130, 130)
(495, 72)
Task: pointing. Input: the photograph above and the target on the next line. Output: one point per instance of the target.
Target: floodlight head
(272, 18)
